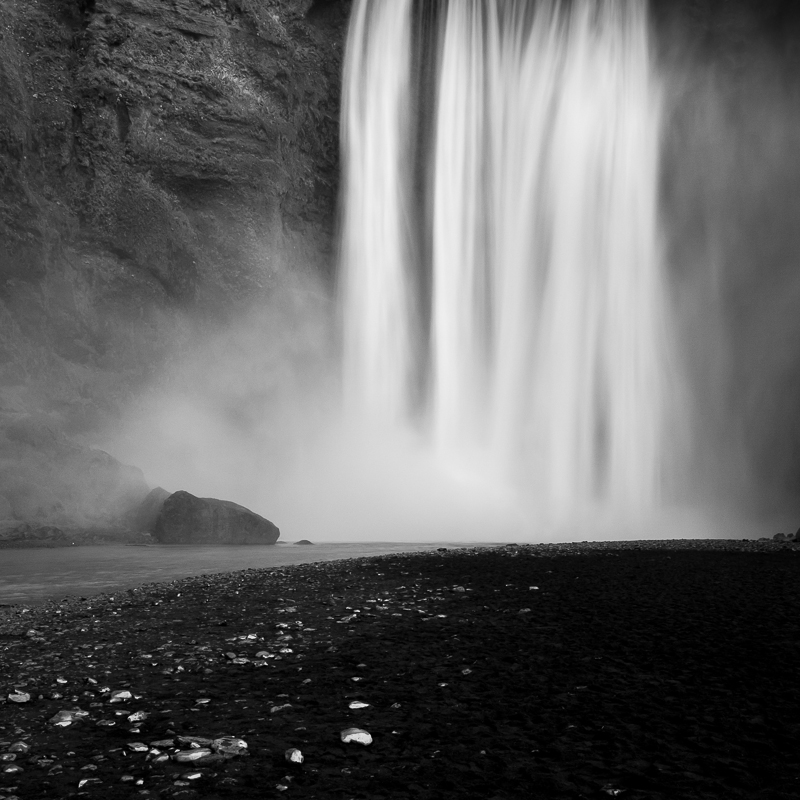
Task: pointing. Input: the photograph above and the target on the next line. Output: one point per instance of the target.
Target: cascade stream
(502, 286)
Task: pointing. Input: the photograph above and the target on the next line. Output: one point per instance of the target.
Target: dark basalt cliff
(153, 154)
(158, 159)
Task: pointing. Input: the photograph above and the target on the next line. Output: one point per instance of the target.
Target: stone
(304, 542)
(188, 756)
(294, 756)
(357, 735)
(186, 519)
(64, 718)
(230, 746)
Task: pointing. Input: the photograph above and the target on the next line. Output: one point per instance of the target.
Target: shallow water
(35, 575)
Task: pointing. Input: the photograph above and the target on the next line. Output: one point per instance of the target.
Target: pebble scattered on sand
(294, 676)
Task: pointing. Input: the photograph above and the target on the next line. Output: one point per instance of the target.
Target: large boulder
(186, 519)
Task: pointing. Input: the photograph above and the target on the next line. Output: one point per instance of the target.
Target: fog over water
(565, 306)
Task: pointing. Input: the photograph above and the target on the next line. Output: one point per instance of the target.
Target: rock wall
(154, 155)
(160, 160)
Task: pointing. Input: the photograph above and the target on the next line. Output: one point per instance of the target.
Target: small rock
(228, 746)
(195, 741)
(294, 756)
(358, 704)
(188, 756)
(64, 718)
(357, 735)
(19, 697)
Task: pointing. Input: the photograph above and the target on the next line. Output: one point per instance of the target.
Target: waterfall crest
(534, 351)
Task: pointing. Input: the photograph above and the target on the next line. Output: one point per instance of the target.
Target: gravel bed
(586, 670)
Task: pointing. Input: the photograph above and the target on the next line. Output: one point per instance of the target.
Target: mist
(251, 411)
(730, 200)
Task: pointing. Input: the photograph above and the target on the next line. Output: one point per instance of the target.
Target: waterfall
(502, 286)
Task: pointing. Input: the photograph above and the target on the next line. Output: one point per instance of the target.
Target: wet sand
(640, 670)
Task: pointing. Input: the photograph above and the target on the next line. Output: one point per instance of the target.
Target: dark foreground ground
(665, 670)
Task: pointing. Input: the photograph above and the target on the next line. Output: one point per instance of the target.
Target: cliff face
(160, 161)
(154, 154)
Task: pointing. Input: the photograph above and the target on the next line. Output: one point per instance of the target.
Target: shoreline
(508, 672)
(34, 576)
(135, 540)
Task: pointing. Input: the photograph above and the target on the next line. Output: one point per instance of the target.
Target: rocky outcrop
(186, 519)
(48, 480)
(145, 516)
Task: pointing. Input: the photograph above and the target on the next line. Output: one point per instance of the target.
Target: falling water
(510, 304)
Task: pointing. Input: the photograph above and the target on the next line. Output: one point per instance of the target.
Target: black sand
(661, 670)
